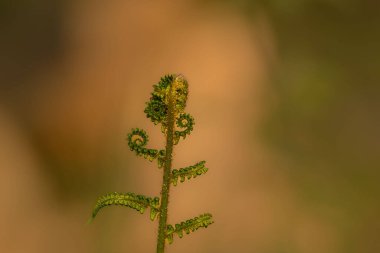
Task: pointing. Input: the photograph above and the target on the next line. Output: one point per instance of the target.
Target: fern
(188, 172)
(137, 140)
(203, 220)
(184, 121)
(166, 107)
(137, 202)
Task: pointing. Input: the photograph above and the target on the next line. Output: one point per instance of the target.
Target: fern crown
(157, 107)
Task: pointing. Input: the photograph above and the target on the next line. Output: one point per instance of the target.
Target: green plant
(166, 107)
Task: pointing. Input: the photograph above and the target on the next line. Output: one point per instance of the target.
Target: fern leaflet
(188, 172)
(204, 220)
(134, 201)
(137, 141)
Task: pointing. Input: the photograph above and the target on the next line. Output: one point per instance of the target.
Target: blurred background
(285, 95)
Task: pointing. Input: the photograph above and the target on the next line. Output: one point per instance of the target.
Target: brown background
(285, 98)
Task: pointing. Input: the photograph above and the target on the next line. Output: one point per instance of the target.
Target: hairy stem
(167, 172)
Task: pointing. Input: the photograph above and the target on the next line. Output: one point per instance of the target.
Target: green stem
(167, 172)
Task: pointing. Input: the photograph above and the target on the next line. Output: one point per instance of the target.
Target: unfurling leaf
(185, 121)
(137, 141)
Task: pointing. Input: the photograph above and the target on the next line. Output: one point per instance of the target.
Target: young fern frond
(203, 221)
(186, 121)
(138, 202)
(188, 172)
(137, 140)
(166, 106)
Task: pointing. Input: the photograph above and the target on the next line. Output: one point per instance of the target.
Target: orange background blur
(285, 95)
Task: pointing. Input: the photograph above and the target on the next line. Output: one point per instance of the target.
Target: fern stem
(167, 171)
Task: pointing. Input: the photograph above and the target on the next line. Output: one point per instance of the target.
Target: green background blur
(285, 95)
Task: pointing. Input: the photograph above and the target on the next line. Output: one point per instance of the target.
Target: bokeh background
(285, 95)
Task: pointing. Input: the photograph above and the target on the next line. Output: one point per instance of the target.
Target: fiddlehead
(166, 106)
(203, 220)
(137, 141)
(157, 108)
(185, 121)
(188, 172)
(134, 201)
